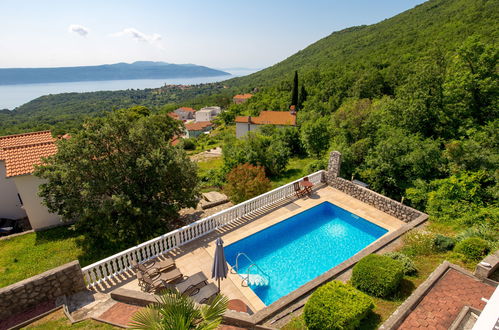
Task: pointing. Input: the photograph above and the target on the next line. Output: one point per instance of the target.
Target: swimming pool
(302, 247)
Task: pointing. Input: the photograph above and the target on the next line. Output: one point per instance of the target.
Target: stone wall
(64, 280)
(382, 203)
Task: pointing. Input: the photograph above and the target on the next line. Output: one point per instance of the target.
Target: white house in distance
(18, 186)
(207, 114)
(245, 124)
(185, 113)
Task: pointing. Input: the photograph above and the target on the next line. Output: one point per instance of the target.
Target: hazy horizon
(216, 34)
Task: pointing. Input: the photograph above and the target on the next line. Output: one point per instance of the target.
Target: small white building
(18, 186)
(185, 113)
(207, 113)
(245, 124)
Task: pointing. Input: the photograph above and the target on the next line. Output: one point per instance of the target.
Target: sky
(215, 33)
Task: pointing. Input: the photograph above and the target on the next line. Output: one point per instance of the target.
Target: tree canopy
(119, 178)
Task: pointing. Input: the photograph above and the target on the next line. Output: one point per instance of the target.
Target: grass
(30, 254)
(296, 169)
(58, 320)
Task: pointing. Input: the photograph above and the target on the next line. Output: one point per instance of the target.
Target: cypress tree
(294, 93)
(303, 96)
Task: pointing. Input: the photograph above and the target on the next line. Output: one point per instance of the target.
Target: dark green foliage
(473, 248)
(120, 178)
(188, 144)
(315, 136)
(336, 306)
(303, 96)
(257, 149)
(377, 275)
(409, 267)
(294, 91)
(444, 243)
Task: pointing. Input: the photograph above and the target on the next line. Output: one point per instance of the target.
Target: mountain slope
(118, 71)
(396, 41)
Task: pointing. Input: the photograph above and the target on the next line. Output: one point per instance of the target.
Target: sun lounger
(153, 266)
(155, 282)
(204, 294)
(188, 286)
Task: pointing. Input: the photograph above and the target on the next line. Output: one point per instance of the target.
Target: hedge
(336, 305)
(409, 267)
(377, 275)
(473, 248)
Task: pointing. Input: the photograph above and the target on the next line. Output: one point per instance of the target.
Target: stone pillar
(333, 166)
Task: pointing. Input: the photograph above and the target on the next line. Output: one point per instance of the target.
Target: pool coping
(266, 314)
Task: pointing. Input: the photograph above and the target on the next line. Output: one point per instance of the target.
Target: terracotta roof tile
(24, 139)
(198, 126)
(174, 115)
(21, 160)
(243, 96)
(187, 109)
(269, 118)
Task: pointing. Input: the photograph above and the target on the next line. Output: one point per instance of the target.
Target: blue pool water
(297, 250)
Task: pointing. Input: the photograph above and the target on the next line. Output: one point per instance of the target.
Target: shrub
(443, 243)
(377, 275)
(419, 243)
(336, 305)
(188, 144)
(316, 165)
(409, 267)
(246, 181)
(473, 248)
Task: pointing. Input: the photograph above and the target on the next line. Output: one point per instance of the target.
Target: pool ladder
(262, 279)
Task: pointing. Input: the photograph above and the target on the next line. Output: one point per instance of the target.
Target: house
(241, 98)
(196, 129)
(207, 113)
(185, 113)
(18, 186)
(245, 124)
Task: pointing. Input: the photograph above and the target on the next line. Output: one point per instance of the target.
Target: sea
(12, 96)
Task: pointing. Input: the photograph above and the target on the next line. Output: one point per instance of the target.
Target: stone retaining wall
(63, 280)
(382, 203)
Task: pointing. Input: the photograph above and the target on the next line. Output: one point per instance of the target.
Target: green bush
(473, 248)
(409, 267)
(336, 305)
(377, 275)
(419, 242)
(443, 243)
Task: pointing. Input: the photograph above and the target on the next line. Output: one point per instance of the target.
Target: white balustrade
(120, 262)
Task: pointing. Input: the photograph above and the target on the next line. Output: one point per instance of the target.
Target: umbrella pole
(219, 285)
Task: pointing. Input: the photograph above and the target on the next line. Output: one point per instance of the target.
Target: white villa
(18, 186)
(207, 114)
(245, 124)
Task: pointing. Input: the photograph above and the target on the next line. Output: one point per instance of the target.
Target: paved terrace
(198, 255)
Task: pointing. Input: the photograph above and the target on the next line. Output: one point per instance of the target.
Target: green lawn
(296, 169)
(30, 254)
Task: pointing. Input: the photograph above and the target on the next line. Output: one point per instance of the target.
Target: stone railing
(116, 264)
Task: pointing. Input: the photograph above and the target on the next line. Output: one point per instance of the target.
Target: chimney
(292, 110)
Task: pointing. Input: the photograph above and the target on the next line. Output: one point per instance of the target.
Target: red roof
(269, 118)
(21, 152)
(198, 126)
(173, 115)
(187, 109)
(243, 96)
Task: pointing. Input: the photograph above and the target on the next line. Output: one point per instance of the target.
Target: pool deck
(197, 255)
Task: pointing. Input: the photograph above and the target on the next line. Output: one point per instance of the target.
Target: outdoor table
(307, 185)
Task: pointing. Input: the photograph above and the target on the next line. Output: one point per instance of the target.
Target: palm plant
(179, 312)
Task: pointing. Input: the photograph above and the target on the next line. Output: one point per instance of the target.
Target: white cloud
(78, 29)
(153, 39)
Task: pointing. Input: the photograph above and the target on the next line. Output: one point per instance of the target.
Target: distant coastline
(107, 72)
(12, 96)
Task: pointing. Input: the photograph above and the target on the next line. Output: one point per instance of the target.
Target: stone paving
(439, 308)
(119, 313)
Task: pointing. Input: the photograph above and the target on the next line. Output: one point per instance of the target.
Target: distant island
(118, 71)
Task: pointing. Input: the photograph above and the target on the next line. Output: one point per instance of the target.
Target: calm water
(297, 250)
(12, 96)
